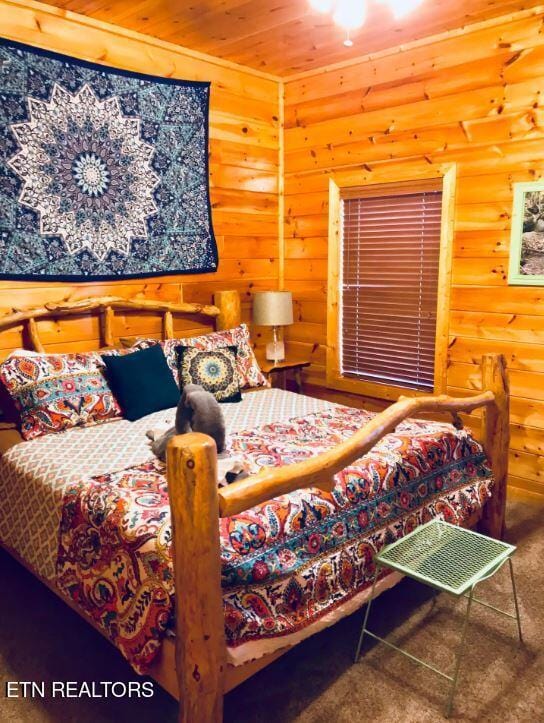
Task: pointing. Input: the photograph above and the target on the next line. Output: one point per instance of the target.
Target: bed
(263, 562)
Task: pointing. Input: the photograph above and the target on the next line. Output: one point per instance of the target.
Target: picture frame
(526, 263)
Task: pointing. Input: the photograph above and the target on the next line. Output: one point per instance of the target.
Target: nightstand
(279, 369)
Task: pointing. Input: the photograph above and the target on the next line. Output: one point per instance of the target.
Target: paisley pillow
(249, 372)
(54, 392)
(215, 371)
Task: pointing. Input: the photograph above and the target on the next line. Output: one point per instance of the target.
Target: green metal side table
(449, 559)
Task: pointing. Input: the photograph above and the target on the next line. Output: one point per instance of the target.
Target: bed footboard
(197, 504)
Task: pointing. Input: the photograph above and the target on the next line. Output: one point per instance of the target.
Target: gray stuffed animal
(198, 411)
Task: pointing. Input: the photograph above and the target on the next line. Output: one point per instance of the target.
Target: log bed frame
(194, 668)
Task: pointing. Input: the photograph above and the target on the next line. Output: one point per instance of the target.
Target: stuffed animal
(198, 411)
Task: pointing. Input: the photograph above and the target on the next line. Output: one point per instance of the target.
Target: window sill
(376, 390)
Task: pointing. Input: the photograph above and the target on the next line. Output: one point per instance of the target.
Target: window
(390, 241)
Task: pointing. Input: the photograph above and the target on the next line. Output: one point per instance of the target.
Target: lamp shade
(272, 308)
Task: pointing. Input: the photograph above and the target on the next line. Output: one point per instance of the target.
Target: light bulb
(321, 6)
(350, 14)
(399, 8)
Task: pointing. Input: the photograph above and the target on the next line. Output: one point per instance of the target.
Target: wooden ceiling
(283, 37)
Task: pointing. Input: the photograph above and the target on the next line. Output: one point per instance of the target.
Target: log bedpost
(167, 325)
(200, 635)
(106, 326)
(230, 310)
(496, 440)
(34, 336)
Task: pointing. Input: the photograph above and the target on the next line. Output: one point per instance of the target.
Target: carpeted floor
(317, 682)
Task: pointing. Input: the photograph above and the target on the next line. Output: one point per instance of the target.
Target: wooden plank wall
(474, 98)
(244, 165)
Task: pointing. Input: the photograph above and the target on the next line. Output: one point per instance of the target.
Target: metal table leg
(515, 598)
(460, 650)
(367, 613)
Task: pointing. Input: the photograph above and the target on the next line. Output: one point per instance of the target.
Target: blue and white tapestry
(103, 173)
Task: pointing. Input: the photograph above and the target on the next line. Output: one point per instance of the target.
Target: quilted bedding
(289, 565)
(35, 475)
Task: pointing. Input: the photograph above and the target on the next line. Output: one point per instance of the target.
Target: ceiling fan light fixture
(400, 8)
(350, 14)
(322, 6)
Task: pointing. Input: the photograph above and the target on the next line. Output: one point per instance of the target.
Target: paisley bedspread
(287, 563)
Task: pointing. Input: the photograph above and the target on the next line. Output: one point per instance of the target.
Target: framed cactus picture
(526, 266)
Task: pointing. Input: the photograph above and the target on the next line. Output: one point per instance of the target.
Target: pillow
(249, 372)
(54, 392)
(141, 382)
(215, 371)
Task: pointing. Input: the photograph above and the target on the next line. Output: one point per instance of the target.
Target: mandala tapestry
(103, 173)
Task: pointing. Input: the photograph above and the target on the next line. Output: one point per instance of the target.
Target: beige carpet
(41, 639)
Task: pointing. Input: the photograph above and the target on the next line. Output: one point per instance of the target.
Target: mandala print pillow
(249, 372)
(215, 371)
(54, 392)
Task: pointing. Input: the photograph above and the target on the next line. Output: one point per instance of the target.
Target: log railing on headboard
(226, 314)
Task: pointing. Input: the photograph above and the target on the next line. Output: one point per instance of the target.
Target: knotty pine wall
(244, 164)
(474, 98)
(471, 97)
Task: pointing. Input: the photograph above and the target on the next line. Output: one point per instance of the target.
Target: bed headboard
(224, 314)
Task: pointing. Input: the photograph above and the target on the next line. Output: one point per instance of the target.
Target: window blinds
(390, 258)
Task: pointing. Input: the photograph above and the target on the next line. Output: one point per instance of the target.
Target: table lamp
(273, 308)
